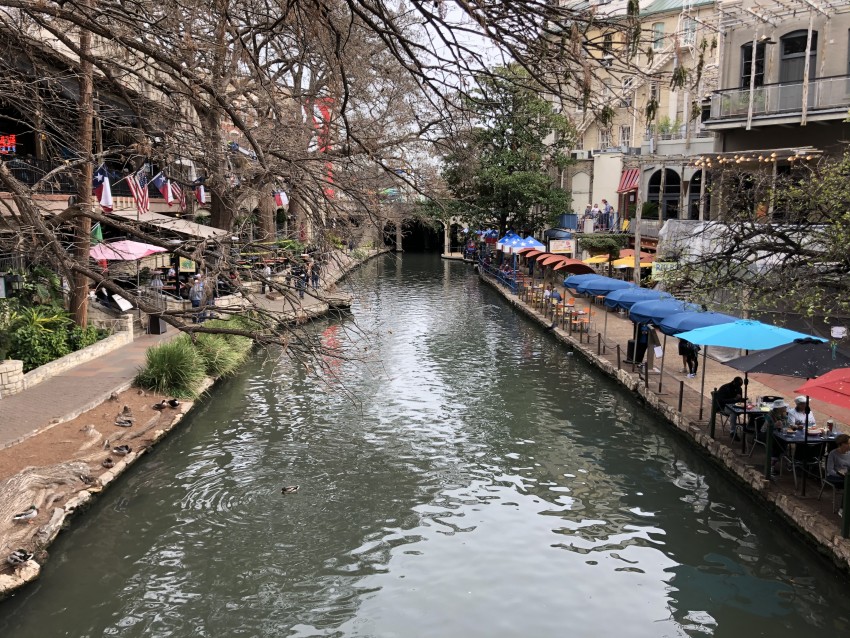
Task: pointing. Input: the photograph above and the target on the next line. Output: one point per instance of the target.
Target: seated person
(728, 394)
(555, 297)
(838, 461)
(778, 419)
(797, 416)
(547, 293)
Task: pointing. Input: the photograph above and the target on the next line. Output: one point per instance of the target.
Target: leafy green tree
(499, 170)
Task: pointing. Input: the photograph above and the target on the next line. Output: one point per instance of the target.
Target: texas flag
(281, 199)
(201, 194)
(101, 189)
(164, 187)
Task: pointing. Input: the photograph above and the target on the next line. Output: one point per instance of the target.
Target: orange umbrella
(575, 266)
(522, 251)
(534, 254)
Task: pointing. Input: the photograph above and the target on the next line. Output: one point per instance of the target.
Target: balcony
(829, 99)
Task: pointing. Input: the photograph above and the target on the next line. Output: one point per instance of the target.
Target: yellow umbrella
(598, 259)
(629, 262)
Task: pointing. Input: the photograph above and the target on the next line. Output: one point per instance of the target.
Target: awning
(629, 180)
(551, 259)
(182, 226)
(533, 254)
(573, 266)
(598, 259)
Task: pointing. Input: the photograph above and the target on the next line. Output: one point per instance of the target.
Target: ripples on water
(485, 483)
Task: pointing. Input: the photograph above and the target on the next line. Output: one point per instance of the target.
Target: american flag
(138, 184)
(178, 194)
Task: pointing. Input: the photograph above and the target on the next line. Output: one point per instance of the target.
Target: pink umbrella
(124, 250)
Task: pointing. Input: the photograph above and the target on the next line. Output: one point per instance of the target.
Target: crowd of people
(605, 218)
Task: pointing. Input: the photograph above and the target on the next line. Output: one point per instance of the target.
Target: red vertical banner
(322, 109)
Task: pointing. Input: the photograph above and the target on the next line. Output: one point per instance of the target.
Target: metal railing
(824, 94)
(508, 279)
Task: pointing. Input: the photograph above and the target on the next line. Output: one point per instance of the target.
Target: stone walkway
(85, 386)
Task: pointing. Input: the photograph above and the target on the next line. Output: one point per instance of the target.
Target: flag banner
(178, 194)
(101, 189)
(138, 184)
(164, 187)
(96, 234)
(201, 194)
(281, 199)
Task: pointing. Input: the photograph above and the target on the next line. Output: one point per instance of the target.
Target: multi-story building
(784, 81)
(644, 118)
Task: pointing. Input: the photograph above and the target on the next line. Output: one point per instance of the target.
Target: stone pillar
(398, 247)
(11, 377)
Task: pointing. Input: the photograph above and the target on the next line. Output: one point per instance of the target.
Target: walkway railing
(507, 279)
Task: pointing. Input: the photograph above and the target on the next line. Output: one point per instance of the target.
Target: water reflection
(485, 483)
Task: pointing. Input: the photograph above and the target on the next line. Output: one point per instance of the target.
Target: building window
(792, 61)
(607, 43)
(658, 36)
(689, 30)
(627, 91)
(625, 135)
(654, 92)
(604, 138)
(747, 64)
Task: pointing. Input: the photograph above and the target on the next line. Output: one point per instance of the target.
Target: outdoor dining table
(751, 412)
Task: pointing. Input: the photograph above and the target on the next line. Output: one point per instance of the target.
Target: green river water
(463, 476)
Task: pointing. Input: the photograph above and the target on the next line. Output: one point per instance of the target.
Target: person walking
(315, 272)
(196, 296)
(267, 273)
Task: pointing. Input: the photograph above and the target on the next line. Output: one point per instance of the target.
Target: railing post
(681, 394)
(712, 420)
(598, 343)
(845, 513)
(618, 356)
(768, 446)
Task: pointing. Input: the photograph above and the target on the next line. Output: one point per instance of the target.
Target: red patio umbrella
(575, 266)
(551, 259)
(832, 387)
(522, 251)
(534, 254)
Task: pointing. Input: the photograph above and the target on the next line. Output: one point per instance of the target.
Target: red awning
(629, 180)
(552, 259)
(522, 251)
(574, 266)
(533, 254)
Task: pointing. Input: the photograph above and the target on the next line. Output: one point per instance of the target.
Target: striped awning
(629, 180)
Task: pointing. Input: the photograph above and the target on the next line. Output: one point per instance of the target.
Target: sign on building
(562, 246)
(661, 267)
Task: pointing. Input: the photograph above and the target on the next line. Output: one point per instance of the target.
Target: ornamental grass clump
(175, 368)
(221, 359)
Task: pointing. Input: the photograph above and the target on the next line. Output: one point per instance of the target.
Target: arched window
(792, 56)
(669, 201)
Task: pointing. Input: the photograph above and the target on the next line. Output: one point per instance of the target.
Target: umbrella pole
(746, 416)
(605, 329)
(702, 382)
(663, 354)
(806, 448)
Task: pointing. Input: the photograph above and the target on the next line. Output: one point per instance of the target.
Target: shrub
(175, 368)
(79, 338)
(240, 345)
(358, 253)
(39, 335)
(220, 358)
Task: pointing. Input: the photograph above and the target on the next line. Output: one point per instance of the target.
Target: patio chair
(824, 483)
(804, 458)
(759, 438)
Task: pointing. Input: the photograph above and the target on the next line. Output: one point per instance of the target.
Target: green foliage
(240, 345)
(597, 244)
(649, 210)
(79, 338)
(39, 337)
(292, 245)
(5, 344)
(40, 286)
(498, 170)
(220, 358)
(175, 368)
(358, 253)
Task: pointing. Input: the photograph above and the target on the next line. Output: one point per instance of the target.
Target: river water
(462, 475)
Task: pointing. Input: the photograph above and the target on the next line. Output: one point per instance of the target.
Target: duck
(173, 403)
(108, 463)
(124, 422)
(161, 405)
(88, 480)
(121, 450)
(27, 515)
(289, 489)
(19, 557)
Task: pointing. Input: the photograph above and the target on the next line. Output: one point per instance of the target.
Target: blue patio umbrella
(745, 334)
(655, 310)
(574, 280)
(625, 298)
(684, 321)
(530, 242)
(602, 286)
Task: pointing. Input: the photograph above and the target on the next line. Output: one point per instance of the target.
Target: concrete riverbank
(53, 424)
(677, 399)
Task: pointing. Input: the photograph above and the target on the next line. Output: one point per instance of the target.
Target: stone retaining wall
(11, 377)
(819, 530)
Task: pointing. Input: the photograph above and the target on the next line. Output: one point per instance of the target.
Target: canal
(462, 475)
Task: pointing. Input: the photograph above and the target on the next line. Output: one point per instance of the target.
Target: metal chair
(758, 422)
(804, 457)
(824, 483)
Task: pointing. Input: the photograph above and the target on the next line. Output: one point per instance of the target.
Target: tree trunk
(82, 233)
(266, 221)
